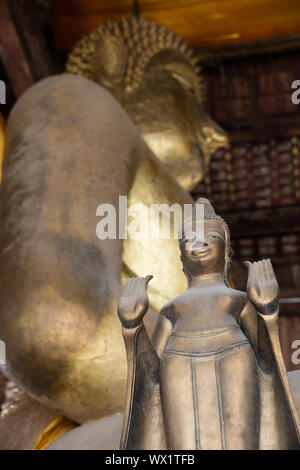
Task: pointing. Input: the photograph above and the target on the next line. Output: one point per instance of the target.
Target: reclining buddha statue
(127, 119)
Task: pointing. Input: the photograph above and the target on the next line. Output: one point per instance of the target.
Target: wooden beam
(211, 55)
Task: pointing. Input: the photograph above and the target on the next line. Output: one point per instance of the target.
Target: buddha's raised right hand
(262, 286)
(134, 301)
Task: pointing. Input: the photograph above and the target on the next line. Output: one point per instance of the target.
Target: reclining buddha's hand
(134, 302)
(262, 286)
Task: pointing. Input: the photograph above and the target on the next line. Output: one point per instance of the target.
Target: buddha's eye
(215, 236)
(184, 82)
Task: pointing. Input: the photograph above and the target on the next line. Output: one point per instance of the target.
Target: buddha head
(205, 243)
(153, 73)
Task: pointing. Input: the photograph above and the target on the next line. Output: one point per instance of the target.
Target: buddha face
(167, 110)
(153, 74)
(207, 255)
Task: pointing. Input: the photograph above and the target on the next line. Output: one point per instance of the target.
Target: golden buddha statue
(213, 376)
(153, 73)
(70, 147)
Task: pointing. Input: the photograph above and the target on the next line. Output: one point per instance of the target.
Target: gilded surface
(60, 284)
(154, 74)
(79, 149)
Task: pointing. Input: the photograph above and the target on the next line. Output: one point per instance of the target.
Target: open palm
(262, 286)
(134, 301)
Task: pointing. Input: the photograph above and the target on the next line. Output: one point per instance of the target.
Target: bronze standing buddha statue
(212, 376)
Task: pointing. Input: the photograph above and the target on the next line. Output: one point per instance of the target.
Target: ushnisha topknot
(143, 40)
(210, 214)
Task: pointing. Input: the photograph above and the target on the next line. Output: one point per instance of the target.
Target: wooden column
(23, 48)
(12, 53)
(30, 18)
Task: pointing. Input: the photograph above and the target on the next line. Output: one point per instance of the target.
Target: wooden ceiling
(200, 22)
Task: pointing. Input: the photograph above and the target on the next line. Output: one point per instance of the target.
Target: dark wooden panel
(251, 96)
(12, 53)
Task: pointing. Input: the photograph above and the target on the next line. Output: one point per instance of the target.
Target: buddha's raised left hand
(134, 301)
(262, 286)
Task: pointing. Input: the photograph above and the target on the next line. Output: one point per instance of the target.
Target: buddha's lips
(200, 252)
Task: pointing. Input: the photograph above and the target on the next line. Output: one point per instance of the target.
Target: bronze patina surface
(212, 376)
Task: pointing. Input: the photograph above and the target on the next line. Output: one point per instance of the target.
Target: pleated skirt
(210, 396)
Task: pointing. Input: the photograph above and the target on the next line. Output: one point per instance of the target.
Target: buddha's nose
(199, 244)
